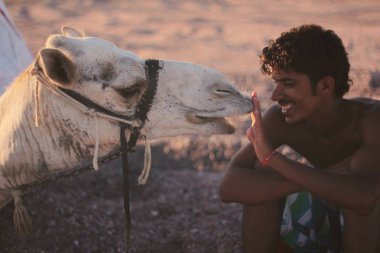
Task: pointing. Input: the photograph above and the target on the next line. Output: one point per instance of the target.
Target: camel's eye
(134, 90)
(129, 92)
(224, 92)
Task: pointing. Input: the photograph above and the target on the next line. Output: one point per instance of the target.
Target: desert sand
(179, 209)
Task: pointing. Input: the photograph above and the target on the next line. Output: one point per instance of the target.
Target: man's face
(293, 93)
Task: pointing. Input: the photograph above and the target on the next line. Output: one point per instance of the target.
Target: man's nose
(277, 93)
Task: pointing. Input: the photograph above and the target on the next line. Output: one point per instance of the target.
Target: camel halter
(134, 124)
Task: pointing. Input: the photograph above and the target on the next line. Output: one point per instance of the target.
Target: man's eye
(289, 83)
(285, 83)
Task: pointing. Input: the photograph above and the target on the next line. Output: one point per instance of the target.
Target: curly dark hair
(311, 50)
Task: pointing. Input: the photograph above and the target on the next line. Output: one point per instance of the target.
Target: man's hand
(255, 133)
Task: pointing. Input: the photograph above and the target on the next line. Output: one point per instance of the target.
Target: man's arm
(248, 182)
(359, 189)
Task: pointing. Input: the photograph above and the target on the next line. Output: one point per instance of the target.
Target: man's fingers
(253, 109)
(256, 102)
(253, 119)
(256, 107)
(250, 135)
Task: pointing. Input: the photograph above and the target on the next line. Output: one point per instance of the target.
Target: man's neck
(328, 120)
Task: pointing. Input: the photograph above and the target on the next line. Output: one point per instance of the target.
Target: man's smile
(286, 106)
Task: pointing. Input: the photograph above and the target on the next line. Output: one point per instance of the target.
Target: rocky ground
(178, 210)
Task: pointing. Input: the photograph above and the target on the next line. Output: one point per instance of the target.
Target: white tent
(14, 54)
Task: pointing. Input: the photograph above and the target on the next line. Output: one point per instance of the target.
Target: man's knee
(261, 226)
(268, 212)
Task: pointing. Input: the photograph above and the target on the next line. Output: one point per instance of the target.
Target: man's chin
(291, 120)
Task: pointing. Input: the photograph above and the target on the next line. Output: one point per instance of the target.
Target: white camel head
(190, 98)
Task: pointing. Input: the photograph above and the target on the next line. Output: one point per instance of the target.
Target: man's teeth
(286, 107)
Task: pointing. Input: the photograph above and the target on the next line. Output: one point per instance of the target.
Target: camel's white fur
(190, 99)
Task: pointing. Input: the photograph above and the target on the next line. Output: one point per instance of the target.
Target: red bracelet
(267, 159)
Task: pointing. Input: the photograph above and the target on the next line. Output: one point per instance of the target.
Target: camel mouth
(200, 119)
(211, 119)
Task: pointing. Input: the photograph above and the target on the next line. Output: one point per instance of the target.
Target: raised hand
(256, 134)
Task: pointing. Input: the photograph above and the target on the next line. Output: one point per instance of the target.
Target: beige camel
(44, 130)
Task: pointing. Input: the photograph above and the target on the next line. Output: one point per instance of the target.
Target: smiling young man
(339, 137)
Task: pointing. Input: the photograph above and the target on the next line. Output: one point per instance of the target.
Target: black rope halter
(152, 68)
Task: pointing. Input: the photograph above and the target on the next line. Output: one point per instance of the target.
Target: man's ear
(326, 85)
(57, 67)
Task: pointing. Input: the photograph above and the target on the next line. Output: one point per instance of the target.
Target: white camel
(44, 130)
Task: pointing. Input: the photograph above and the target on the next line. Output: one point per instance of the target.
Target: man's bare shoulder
(367, 157)
(366, 103)
(369, 108)
(370, 117)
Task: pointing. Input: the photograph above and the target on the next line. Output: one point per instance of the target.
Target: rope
(23, 222)
(143, 178)
(127, 208)
(37, 115)
(95, 114)
(21, 217)
(82, 107)
(96, 152)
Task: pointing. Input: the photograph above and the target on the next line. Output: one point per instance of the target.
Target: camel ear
(57, 67)
(71, 32)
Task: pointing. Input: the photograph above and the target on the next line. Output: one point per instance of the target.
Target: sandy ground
(179, 209)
